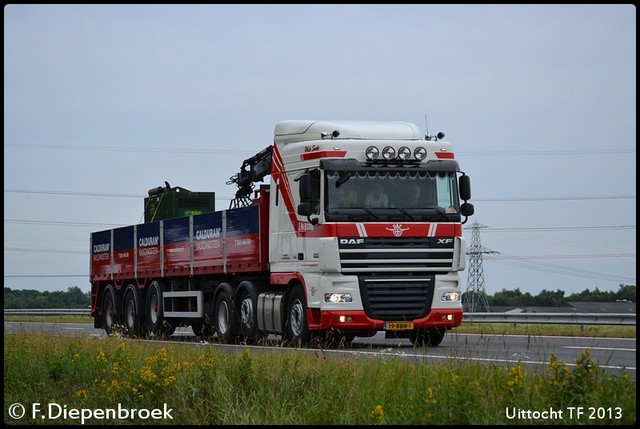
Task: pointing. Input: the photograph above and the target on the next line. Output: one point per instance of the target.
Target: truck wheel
(296, 329)
(248, 317)
(427, 337)
(225, 316)
(131, 313)
(156, 323)
(110, 316)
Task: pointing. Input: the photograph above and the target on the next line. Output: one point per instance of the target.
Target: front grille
(396, 298)
(424, 254)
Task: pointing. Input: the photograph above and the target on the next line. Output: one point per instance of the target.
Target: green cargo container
(171, 202)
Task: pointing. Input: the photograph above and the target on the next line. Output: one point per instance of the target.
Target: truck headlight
(404, 153)
(450, 296)
(420, 153)
(372, 152)
(388, 153)
(337, 297)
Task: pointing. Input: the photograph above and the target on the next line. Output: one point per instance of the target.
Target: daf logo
(352, 241)
(445, 240)
(397, 229)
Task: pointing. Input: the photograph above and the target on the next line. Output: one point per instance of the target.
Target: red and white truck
(358, 231)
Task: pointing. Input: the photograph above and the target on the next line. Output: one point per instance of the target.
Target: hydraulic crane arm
(253, 169)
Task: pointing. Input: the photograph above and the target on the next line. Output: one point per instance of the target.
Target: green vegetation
(604, 331)
(75, 298)
(26, 298)
(63, 318)
(546, 298)
(204, 385)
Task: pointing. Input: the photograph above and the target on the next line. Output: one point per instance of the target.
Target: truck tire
(225, 317)
(296, 329)
(110, 315)
(131, 312)
(156, 323)
(431, 337)
(247, 317)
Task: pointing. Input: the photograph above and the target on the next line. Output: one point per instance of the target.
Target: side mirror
(466, 209)
(305, 208)
(304, 189)
(465, 188)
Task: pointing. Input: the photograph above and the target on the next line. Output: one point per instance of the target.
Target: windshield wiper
(406, 213)
(439, 211)
(362, 217)
(370, 212)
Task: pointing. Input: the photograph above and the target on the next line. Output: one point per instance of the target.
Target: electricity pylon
(475, 298)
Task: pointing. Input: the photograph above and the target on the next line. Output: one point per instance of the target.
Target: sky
(104, 102)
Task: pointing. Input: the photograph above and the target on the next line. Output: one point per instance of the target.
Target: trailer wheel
(225, 316)
(427, 337)
(110, 317)
(131, 313)
(156, 323)
(296, 329)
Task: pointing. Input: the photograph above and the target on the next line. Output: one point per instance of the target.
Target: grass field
(65, 380)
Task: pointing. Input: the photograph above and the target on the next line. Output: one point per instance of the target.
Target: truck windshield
(418, 196)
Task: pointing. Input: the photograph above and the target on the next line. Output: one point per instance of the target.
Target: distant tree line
(547, 298)
(75, 298)
(26, 298)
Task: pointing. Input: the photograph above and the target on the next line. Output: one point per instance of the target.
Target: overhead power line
(506, 199)
(44, 275)
(88, 194)
(62, 223)
(25, 249)
(84, 194)
(598, 152)
(571, 198)
(591, 256)
(487, 229)
(124, 149)
(560, 228)
(571, 272)
(490, 255)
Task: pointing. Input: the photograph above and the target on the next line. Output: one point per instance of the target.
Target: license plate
(398, 326)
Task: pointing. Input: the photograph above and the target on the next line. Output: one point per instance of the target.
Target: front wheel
(296, 329)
